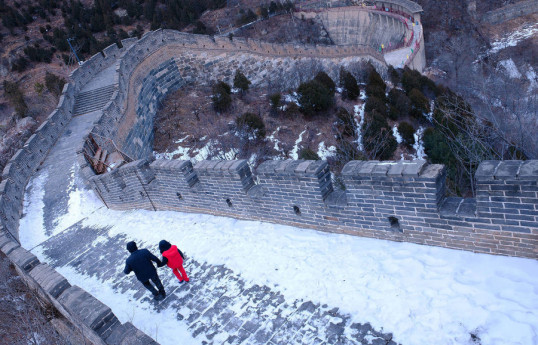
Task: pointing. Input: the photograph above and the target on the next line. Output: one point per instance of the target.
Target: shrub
(246, 17)
(394, 75)
(314, 97)
(375, 86)
(273, 7)
(377, 137)
(407, 132)
(419, 103)
(400, 104)
(436, 147)
(38, 54)
(201, 29)
(349, 84)
(346, 121)
(412, 79)
(252, 124)
(54, 84)
(241, 82)
(308, 154)
(292, 110)
(375, 104)
(221, 96)
(38, 87)
(274, 99)
(324, 79)
(15, 97)
(374, 78)
(20, 64)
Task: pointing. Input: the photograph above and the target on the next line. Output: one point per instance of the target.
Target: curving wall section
(93, 320)
(164, 60)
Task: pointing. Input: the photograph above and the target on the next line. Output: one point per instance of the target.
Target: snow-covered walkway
(398, 57)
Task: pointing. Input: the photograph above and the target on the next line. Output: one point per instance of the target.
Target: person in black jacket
(140, 261)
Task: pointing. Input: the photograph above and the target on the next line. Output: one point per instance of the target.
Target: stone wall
(164, 60)
(399, 201)
(356, 26)
(93, 320)
(511, 11)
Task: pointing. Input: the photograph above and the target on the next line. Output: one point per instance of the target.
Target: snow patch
(324, 152)
(514, 38)
(358, 116)
(510, 68)
(533, 79)
(397, 134)
(295, 152)
(419, 144)
(292, 98)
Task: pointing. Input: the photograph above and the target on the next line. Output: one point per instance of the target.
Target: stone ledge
(49, 279)
(9, 246)
(92, 312)
(128, 334)
(23, 258)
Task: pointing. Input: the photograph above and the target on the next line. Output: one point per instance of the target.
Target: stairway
(92, 100)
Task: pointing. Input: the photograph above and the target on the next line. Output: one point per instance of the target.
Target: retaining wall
(400, 201)
(93, 320)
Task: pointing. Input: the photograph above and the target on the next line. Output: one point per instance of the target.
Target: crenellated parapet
(400, 201)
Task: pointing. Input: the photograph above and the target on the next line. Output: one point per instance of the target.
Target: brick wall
(400, 201)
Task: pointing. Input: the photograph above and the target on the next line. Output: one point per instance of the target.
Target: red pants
(180, 273)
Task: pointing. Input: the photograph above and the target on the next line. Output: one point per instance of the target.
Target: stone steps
(92, 100)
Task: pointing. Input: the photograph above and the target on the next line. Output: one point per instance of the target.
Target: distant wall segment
(164, 60)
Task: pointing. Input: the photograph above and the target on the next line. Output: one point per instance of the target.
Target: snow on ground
(397, 134)
(358, 116)
(510, 68)
(424, 295)
(295, 152)
(292, 98)
(514, 38)
(429, 115)
(533, 79)
(324, 151)
(419, 144)
(196, 154)
(276, 142)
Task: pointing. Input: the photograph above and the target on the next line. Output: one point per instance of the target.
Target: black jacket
(140, 262)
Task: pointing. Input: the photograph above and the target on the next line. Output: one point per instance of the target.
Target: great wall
(399, 201)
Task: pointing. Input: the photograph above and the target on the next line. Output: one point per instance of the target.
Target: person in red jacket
(173, 257)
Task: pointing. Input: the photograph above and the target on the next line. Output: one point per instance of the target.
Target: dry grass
(24, 319)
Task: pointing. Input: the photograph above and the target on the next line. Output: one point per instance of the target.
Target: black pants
(157, 283)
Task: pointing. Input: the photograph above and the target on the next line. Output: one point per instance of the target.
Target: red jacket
(174, 259)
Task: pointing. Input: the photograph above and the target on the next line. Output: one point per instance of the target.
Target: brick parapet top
(232, 167)
(507, 170)
(166, 164)
(392, 169)
(292, 167)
